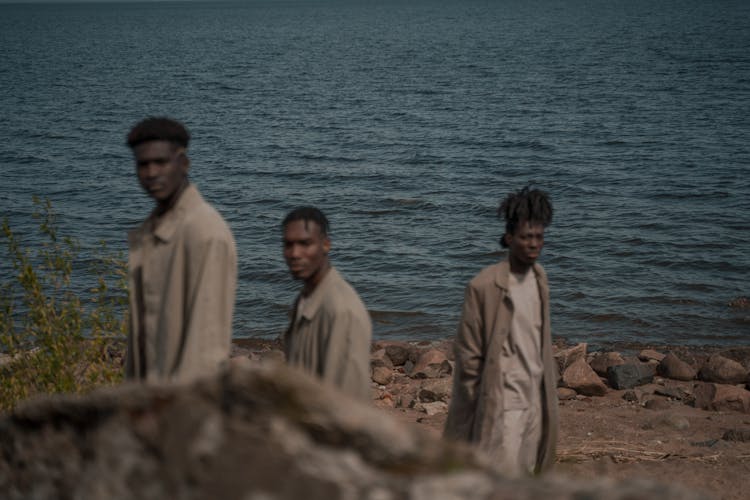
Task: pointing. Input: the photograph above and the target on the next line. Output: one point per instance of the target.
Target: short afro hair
(531, 205)
(159, 129)
(308, 214)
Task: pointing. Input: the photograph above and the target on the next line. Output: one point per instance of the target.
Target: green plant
(51, 340)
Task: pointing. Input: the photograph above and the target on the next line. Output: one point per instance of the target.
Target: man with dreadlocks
(504, 386)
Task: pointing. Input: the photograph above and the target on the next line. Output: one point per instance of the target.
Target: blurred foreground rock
(256, 432)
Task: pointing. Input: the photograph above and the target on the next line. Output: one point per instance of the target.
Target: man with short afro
(182, 266)
(504, 387)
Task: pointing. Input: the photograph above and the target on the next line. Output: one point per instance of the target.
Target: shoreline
(661, 428)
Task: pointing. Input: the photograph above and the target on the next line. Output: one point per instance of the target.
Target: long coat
(477, 403)
(182, 272)
(330, 336)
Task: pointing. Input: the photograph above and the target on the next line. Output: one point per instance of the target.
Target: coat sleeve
(469, 354)
(347, 354)
(212, 271)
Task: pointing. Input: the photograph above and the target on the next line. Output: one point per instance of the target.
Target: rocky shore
(680, 414)
(635, 423)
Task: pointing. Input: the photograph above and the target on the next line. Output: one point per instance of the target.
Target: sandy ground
(608, 436)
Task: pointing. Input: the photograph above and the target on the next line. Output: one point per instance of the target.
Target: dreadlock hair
(158, 129)
(531, 205)
(308, 214)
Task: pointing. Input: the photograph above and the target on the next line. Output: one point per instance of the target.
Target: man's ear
(183, 161)
(507, 238)
(327, 245)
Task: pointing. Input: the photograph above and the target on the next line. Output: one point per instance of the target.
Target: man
(504, 387)
(329, 332)
(182, 266)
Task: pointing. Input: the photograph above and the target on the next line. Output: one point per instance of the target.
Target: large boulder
(265, 432)
(630, 375)
(601, 361)
(399, 352)
(721, 397)
(675, 368)
(432, 363)
(567, 357)
(581, 378)
(723, 370)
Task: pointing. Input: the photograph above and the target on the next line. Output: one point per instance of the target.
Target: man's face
(161, 168)
(305, 249)
(526, 243)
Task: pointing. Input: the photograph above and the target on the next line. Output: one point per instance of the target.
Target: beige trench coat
(477, 402)
(330, 337)
(182, 272)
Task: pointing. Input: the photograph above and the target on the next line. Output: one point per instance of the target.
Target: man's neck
(312, 283)
(165, 206)
(517, 266)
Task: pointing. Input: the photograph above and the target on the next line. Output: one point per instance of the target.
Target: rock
(630, 375)
(601, 361)
(723, 370)
(438, 389)
(434, 408)
(738, 354)
(581, 378)
(567, 357)
(431, 364)
(721, 397)
(738, 435)
(380, 358)
(649, 354)
(565, 393)
(674, 421)
(656, 404)
(408, 367)
(672, 392)
(382, 375)
(272, 356)
(630, 396)
(397, 351)
(675, 368)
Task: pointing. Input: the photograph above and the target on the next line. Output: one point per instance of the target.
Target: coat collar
(165, 226)
(312, 303)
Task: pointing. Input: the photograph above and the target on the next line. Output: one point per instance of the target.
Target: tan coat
(477, 402)
(182, 276)
(330, 336)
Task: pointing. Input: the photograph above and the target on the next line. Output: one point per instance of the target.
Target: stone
(431, 364)
(723, 370)
(567, 357)
(675, 368)
(721, 397)
(656, 404)
(739, 354)
(434, 408)
(672, 392)
(630, 375)
(647, 355)
(601, 361)
(581, 378)
(438, 389)
(397, 351)
(380, 358)
(565, 393)
(382, 375)
(630, 396)
(677, 422)
(737, 435)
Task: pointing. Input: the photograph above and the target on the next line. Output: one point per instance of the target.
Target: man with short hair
(504, 388)
(182, 266)
(330, 331)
